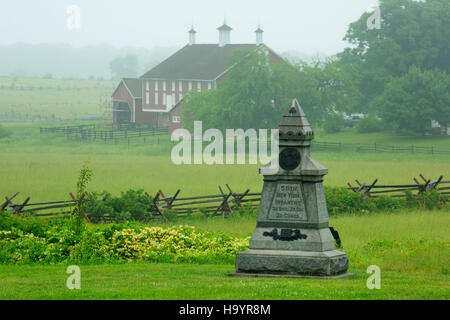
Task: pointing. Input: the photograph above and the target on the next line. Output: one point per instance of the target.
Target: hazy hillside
(62, 60)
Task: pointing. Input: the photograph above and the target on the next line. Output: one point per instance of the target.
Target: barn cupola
(192, 33)
(259, 36)
(224, 34)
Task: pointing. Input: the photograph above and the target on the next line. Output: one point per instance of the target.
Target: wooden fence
(221, 204)
(111, 134)
(374, 190)
(135, 134)
(376, 148)
(211, 205)
(42, 209)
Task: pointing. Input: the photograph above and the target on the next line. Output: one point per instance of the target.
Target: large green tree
(255, 93)
(409, 103)
(258, 90)
(412, 33)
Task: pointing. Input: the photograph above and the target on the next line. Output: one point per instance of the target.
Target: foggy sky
(307, 26)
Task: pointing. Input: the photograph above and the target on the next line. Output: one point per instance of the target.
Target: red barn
(156, 97)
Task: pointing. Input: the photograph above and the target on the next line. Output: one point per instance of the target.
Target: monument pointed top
(294, 125)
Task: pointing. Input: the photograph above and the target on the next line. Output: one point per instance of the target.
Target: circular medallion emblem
(289, 159)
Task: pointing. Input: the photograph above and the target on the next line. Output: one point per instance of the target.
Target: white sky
(307, 26)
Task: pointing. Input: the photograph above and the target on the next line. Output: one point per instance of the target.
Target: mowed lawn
(206, 282)
(411, 249)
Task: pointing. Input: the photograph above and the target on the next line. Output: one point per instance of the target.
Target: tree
(409, 103)
(123, 67)
(254, 95)
(257, 91)
(412, 33)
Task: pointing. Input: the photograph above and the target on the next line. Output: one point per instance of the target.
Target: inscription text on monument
(288, 203)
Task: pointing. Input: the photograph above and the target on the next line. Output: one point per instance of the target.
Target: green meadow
(45, 166)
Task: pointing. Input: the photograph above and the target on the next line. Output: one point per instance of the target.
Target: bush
(342, 201)
(335, 123)
(428, 200)
(130, 205)
(119, 243)
(369, 124)
(32, 225)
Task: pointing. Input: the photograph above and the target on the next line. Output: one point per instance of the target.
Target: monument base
(287, 262)
(269, 275)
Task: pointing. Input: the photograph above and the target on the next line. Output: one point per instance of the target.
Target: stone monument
(292, 235)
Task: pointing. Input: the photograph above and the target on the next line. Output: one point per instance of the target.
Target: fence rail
(373, 190)
(112, 134)
(221, 204)
(375, 147)
(134, 134)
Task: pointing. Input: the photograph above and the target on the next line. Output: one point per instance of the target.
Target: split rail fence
(221, 204)
(135, 134)
(109, 134)
(374, 190)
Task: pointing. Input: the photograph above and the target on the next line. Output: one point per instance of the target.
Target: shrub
(27, 224)
(130, 205)
(427, 200)
(335, 123)
(342, 200)
(119, 243)
(369, 124)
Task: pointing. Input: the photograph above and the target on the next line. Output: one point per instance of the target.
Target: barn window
(156, 98)
(199, 86)
(156, 85)
(180, 86)
(173, 85)
(147, 85)
(147, 98)
(190, 85)
(176, 119)
(209, 85)
(164, 85)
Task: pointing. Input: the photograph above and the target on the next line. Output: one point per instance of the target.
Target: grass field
(206, 282)
(45, 166)
(38, 99)
(411, 249)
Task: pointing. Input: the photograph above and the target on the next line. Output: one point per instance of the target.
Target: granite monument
(292, 236)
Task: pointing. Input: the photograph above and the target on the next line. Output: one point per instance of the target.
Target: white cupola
(224, 34)
(259, 36)
(192, 33)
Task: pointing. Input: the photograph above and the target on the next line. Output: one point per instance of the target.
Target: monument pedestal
(287, 262)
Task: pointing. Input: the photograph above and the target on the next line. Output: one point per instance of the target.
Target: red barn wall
(123, 95)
